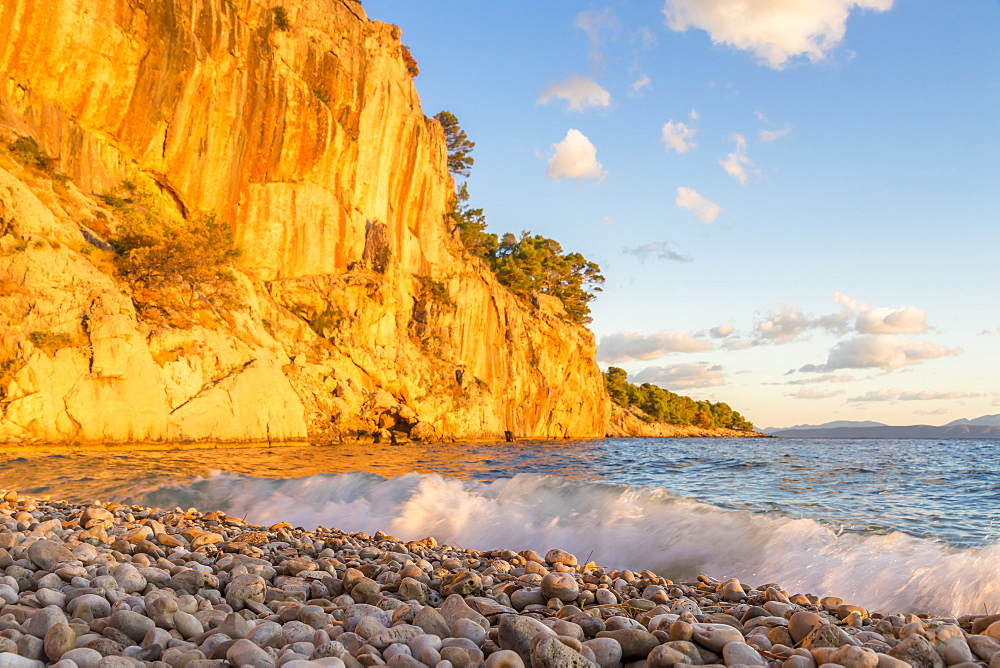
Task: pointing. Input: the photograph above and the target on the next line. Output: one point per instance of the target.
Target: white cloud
(678, 136)
(783, 325)
(622, 346)
(683, 376)
(597, 24)
(647, 38)
(659, 250)
(694, 115)
(774, 135)
(814, 393)
(827, 378)
(575, 158)
(579, 91)
(893, 395)
(640, 84)
(774, 30)
(705, 210)
(880, 351)
(905, 320)
(722, 331)
(737, 162)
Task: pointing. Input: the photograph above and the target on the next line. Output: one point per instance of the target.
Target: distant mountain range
(986, 426)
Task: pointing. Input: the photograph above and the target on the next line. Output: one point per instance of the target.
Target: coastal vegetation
(524, 264)
(156, 255)
(662, 405)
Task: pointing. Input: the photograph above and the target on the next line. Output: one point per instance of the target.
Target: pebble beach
(105, 584)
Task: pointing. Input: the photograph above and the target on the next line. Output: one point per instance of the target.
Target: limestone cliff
(354, 305)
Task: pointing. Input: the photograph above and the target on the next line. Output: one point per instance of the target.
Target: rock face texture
(354, 305)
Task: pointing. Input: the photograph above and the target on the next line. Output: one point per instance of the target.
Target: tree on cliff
(537, 264)
(459, 147)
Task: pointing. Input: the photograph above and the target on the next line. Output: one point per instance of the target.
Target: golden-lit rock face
(357, 308)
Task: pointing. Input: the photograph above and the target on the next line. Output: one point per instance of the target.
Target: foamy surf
(618, 526)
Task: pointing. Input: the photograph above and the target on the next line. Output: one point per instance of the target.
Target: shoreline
(668, 431)
(167, 587)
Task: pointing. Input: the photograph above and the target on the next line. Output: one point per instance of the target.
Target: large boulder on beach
(562, 586)
(245, 588)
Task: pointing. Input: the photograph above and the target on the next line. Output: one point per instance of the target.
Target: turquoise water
(892, 524)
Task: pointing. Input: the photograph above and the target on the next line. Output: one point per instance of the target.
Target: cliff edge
(353, 306)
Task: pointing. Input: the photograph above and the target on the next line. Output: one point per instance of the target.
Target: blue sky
(796, 203)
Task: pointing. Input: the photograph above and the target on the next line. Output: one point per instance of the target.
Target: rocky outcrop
(354, 306)
(633, 423)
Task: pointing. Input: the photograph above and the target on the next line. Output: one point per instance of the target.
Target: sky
(795, 203)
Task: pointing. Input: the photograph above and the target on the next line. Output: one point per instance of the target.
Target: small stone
(556, 556)
(715, 636)
(431, 621)
(983, 646)
(245, 588)
(851, 656)
(607, 651)
(402, 633)
(516, 633)
(461, 583)
(635, 643)
(245, 653)
(663, 656)
(740, 653)
(59, 639)
(504, 658)
(560, 585)
(455, 607)
(826, 635)
(802, 623)
(11, 660)
(42, 620)
(46, 554)
(917, 651)
(549, 652)
(132, 624)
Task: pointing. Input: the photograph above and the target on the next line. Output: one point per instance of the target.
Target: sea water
(894, 525)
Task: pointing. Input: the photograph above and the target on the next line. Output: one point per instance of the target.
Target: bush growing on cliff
(460, 158)
(281, 21)
(156, 254)
(662, 405)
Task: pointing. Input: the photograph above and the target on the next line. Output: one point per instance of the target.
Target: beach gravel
(104, 584)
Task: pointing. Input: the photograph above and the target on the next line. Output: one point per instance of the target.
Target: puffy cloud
(722, 331)
(814, 393)
(827, 378)
(902, 395)
(783, 325)
(774, 30)
(694, 115)
(623, 346)
(880, 351)
(678, 136)
(683, 376)
(774, 135)
(659, 250)
(905, 320)
(703, 209)
(737, 163)
(575, 158)
(579, 92)
(736, 344)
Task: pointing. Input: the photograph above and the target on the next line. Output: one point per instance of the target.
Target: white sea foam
(620, 527)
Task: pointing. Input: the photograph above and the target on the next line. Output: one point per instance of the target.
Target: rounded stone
(607, 651)
(557, 556)
(714, 637)
(740, 653)
(801, 624)
(560, 585)
(47, 553)
(132, 624)
(59, 639)
(504, 658)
